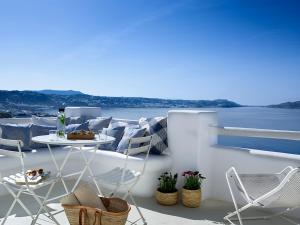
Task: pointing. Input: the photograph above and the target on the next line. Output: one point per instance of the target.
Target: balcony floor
(211, 212)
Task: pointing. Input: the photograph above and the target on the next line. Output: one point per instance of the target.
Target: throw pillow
(117, 133)
(95, 124)
(130, 133)
(78, 119)
(157, 127)
(72, 127)
(99, 123)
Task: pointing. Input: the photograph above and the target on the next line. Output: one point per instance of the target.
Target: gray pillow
(130, 133)
(78, 119)
(38, 130)
(72, 127)
(99, 123)
(157, 127)
(16, 132)
(95, 124)
(117, 133)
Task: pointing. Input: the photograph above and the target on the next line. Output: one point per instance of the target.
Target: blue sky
(246, 51)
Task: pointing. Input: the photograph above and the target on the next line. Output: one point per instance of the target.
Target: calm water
(251, 117)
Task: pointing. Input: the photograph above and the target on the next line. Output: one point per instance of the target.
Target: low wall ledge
(190, 112)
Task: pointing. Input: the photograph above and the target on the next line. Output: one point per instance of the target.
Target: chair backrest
(15, 154)
(138, 146)
(12, 143)
(287, 194)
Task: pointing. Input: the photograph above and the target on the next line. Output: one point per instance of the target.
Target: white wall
(190, 137)
(192, 141)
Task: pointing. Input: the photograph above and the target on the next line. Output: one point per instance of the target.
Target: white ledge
(275, 154)
(259, 133)
(257, 152)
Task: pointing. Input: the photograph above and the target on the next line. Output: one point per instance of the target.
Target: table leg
(87, 167)
(60, 168)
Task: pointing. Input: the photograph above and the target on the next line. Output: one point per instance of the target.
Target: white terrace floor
(211, 212)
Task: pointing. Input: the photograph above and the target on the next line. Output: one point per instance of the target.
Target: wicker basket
(166, 198)
(191, 198)
(116, 214)
(82, 135)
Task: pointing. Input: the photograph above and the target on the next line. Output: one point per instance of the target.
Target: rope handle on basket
(83, 213)
(97, 218)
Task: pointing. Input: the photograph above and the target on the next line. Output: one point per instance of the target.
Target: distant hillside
(23, 103)
(59, 92)
(287, 105)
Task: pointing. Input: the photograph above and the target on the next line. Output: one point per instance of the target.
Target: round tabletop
(50, 140)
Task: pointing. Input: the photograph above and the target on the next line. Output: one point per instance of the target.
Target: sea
(247, 117)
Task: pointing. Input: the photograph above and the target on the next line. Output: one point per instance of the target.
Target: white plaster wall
(244, 162)
(190, 137)
(192, 141)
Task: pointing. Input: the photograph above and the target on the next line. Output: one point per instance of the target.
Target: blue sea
(249, 117)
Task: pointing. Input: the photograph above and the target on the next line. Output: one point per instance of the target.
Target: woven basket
(166, 198)
(116, 214)
(191, 198)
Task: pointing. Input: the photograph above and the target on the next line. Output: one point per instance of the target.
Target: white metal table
(76, 146)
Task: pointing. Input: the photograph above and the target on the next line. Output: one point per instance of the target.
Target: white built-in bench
(104, 161)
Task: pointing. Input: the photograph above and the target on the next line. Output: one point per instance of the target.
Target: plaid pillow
(157, 127)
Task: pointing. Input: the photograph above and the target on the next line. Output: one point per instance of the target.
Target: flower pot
(191, 198)
(166, 198)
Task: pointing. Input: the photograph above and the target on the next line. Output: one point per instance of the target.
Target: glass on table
(102, 134)
(53, 135)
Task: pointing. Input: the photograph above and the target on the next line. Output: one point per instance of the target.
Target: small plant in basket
(191, 192)
(167, 193)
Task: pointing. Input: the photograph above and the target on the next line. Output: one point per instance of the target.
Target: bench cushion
(157, 127)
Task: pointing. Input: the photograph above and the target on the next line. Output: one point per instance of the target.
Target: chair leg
(138, 209)
(16, 199)
(279, 214)
(25, 208)
(43, 206)
(9, 211)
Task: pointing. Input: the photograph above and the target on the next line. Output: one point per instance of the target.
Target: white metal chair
(124, 176)
(15, 189)
(280, 190)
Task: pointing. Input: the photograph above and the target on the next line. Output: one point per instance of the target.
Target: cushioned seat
(114, 176)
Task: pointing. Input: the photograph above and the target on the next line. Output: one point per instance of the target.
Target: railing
(259, 133)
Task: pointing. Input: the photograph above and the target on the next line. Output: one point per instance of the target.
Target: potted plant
(191, 192)
(167, 193)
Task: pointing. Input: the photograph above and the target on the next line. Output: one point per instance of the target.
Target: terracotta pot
(191, 198)
(166, 198)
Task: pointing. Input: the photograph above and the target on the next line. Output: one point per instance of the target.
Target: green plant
(62, 119)
(193, 180)
(167, 182)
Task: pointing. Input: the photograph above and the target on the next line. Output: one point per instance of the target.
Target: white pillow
(44, 121)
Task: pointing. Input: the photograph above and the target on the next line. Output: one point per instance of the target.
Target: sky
(247, 51)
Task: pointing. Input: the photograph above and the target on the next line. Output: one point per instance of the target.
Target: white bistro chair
(280, 190)
(15, 189)
(124, 176)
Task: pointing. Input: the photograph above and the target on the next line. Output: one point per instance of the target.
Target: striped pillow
(157, 127)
